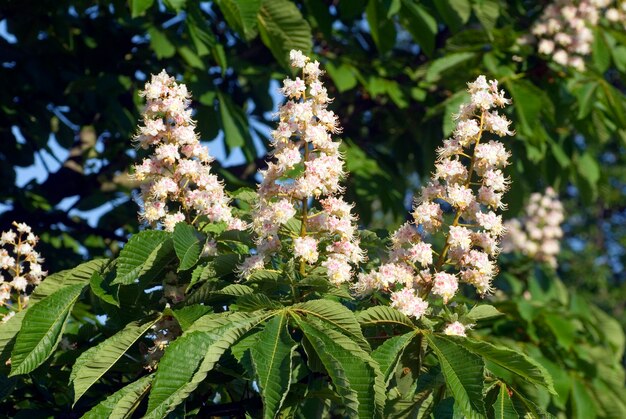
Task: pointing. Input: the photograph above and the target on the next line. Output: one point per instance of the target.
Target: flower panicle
(20, 267)
(468, 182)
(177, 182)
(538, 232)
(306, 169)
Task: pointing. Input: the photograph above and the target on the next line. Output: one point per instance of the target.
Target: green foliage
(282, 344)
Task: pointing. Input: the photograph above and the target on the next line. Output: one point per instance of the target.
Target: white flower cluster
(20, 265)
(538, 233)
(468, 179)
(565, 29)
(306, 169)
(177, 183)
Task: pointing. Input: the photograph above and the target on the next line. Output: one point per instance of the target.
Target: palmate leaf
(42, 328)
(272, 360)
(186, 245)
(144, 251)
(337, 316)
(282, 28)
(388, 354)
(123, 402)
(463, 372)
(513, 361)
(355, 375)
(383, 315)
(503, 407)
(187, 361)
(95, 362)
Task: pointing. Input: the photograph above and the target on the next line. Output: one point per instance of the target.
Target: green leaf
(187, 315)
(463, 372)
(601, 51)
(343, 76)
(381, 27)
(203, 38)
(337, 316)
(355, 375)
(79, 275)
(234, 122)
(388, 354)
(204, 343)
(173, 375)
(241, 15)
(42, 329)
(144, 251)
(139, 7)
(383, 315)
(102, 290)
(483, 311)
(513, 361)
(441, 65)
(272, 360)
(455, 13)
(160, 44)
(421, 25)
(487, 12)
(583, 404)
(191, 57)
(92, 364)
(123, 402)
(175, 5)
(186, 245)
(503, 407)
(282, 28)
(585, 93)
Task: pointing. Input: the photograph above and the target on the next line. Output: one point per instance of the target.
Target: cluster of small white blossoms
(565, 29)
(21, 267)
(468, 179)
(538, 233)
(177, 183)
(306, 168)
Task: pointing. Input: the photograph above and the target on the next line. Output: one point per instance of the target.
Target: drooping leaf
(383, 315)
(186, 245)
(95, 362)
(42, 329)
(388, 354)
(123, 402)
(337, 316)
(355, 375)
(144, 251)
(282, 28)
(463, 372)
(204, 343)
(8, 331)
(241, 15)
(272, 360)
(513, 361)
(441, 65)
